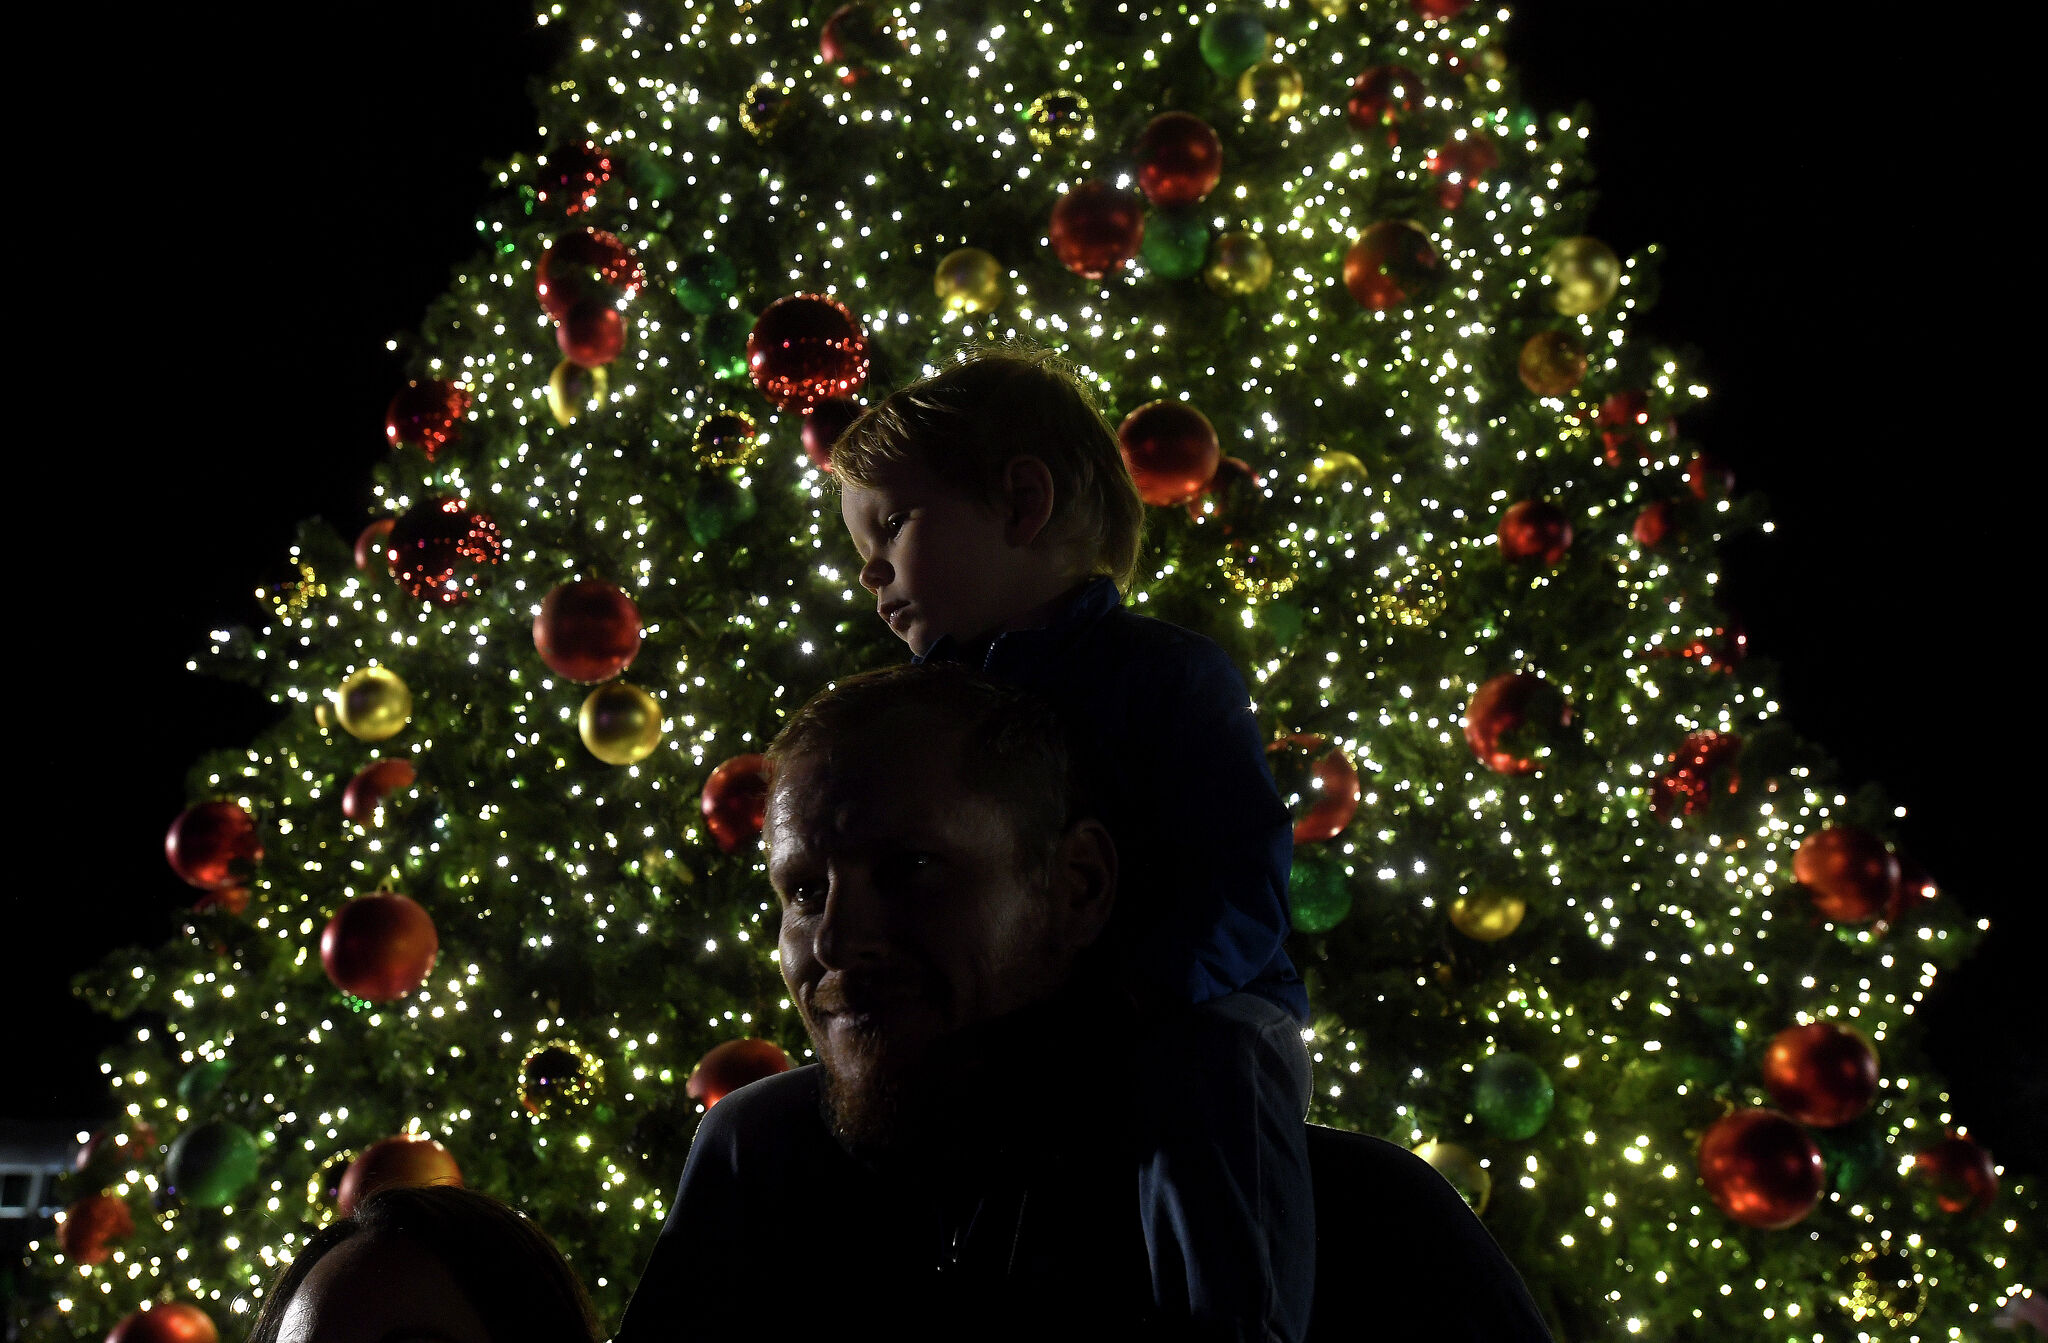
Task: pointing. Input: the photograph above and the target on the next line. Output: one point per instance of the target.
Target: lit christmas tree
(1582, 920)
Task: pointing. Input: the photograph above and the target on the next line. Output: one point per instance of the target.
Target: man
(954, 1165)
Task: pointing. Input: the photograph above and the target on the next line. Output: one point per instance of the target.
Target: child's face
(937, 561)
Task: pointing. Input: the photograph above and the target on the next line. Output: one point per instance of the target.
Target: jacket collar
(1015, 652)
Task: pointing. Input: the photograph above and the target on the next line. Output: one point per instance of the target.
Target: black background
(227, 220)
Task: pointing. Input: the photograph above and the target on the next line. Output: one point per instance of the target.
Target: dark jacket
(1013, 1218)
(1203, 839)
(777, 1235)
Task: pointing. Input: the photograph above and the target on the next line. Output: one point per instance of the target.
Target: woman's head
(439, 1263)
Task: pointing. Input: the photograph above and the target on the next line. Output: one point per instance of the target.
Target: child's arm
(1218, 840)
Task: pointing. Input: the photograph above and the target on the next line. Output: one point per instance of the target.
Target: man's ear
(1084, 882)
(1027, 499)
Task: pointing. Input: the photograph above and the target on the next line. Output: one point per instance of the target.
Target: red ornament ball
(1623, 422)
(1534, 530)
(407, 1161)
(169, 1322)
(805, 349)
(91, 1226)
(853, 38)
(592, 334)
(1849, 873)
(1180, 160)
(1322, 789)
(1440, 9)
(1654, 525)
(728, 1067)
(1823, 1074)
(1960, 1173)
(213, 845)
(231, 900)
(426, 415)
(736, 801)
(440, 547)
(1383, 97)
(1505, 710)
(586, 266)
(1709, 478)
(1171, 450)
(379, 947)
(372, 541)
(571, 176)
(362, 801)
(1389, 264)
(1461, 165)
(823, 424)
(587, 631)
(1097, 228)
(1761, 1169)
(1691, 778)
(1916, 887)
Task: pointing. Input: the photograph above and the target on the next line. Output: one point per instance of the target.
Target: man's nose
(875, 574)
(853, 930)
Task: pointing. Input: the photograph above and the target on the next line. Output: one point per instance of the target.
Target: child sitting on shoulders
(997, 525)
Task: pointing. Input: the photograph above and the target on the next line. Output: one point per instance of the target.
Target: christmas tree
(1575, 906)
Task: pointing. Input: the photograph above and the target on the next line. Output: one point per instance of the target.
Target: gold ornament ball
(1488, 916)
(1414, 598)
(559, 1077)
(373, 704)
(1330, 9)
(573, 389)
(323, 714)
(1238, 264)
(726, 438)
(1460, 1166)
(1584, 273)
(969, 280)
(1882, 1284)
(763, 109)
(620, 723)
(1270, 89)
(1059, 120)
(1551, 363)
(1335, 468)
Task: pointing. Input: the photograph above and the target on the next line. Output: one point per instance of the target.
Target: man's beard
(887, 1108)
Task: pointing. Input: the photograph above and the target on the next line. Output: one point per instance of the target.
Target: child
(996, 522)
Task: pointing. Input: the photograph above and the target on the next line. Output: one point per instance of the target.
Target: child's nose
(875, 574)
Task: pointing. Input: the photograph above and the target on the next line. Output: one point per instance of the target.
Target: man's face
(905, 918)
(937, 561)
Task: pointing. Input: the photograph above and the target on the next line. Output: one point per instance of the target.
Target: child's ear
(1027, 500)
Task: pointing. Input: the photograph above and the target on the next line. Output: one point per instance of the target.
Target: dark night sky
(220, 278)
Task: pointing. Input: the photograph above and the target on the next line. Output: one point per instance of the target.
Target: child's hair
(965, 423)
(507, 1268)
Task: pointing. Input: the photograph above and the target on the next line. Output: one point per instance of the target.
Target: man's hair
(509, 1270)
(996, 403)
(1013, 748)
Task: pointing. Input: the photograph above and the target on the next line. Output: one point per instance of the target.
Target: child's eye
(894, 524)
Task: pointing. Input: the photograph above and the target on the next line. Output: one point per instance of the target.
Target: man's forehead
(867, 788)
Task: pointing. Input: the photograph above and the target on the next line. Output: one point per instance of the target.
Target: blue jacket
(1204, 842)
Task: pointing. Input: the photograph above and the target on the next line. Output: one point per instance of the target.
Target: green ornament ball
(704, 281)
(725, 343)
(203, 1079)
(211, 1164)
(1512, 1096)
(1320, 895)
(719, 507)
(1176, 241)
(1855, 1155)
(1233, 41)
